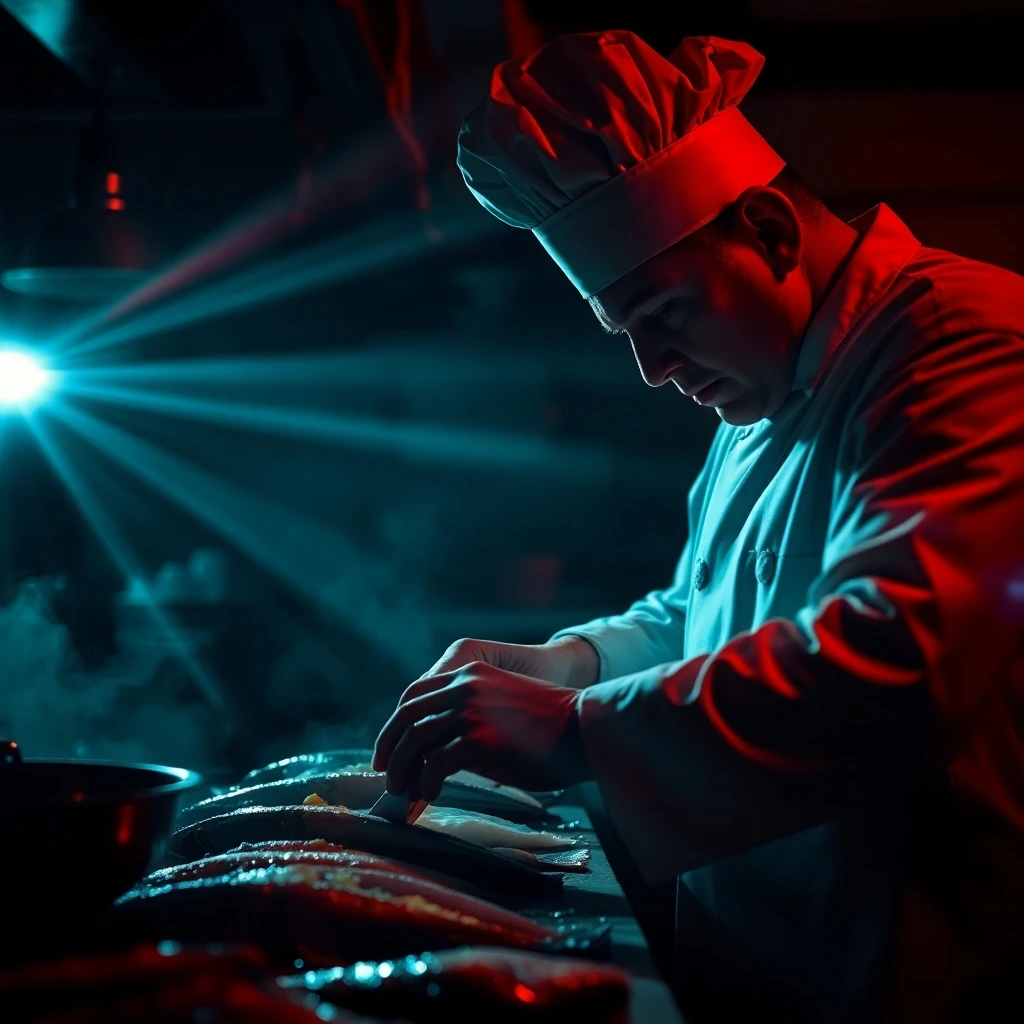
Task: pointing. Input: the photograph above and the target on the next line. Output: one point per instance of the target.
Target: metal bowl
(75, 836)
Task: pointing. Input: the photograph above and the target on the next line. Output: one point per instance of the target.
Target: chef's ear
(767, 219)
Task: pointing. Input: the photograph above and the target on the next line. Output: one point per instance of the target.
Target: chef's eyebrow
(608, 322)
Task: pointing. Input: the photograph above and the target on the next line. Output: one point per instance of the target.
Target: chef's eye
(664, 313)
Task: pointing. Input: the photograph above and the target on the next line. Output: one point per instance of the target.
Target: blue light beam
(353, 255)
(417, 441)
(297, 549)
(118, 550)
(347, 180)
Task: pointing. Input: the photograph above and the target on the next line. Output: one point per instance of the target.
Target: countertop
(598, 894)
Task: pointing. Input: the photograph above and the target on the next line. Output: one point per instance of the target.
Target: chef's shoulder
(946, 321)
(954, 296)
(947, 346)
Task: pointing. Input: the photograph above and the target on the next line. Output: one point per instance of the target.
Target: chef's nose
(656, 359)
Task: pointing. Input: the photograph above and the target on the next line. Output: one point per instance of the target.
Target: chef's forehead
(619, 302)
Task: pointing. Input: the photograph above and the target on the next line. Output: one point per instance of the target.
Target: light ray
(415, 441)
(296, 548)
(348, 179)
(355, 254)
(422, 364)
(108, 536)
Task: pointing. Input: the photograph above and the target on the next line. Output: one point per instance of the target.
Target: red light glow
(125, 825)
(115, 204)
(524, 994)
(113, 183)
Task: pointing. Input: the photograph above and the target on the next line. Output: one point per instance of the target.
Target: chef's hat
(610, 152)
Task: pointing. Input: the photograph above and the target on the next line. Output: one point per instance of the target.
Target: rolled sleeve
(649, 633)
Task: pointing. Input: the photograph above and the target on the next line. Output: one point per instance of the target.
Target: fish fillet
(462, 778)
(322, 915)
(334, 788)
(149, 983)
(358, 789)
(249, 856)
(485, 869)
(486, 830)
(463, 789)
(474, 984)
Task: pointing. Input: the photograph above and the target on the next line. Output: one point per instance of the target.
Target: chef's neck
(828, 245)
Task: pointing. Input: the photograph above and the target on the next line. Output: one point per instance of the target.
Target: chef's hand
(568, 661)
(510, 727)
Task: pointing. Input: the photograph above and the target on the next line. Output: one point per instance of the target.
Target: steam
(137, 707)
(142, 704)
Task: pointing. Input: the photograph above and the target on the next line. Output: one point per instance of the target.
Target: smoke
(139, 706)
(329, 681)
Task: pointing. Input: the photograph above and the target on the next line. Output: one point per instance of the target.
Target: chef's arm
(908, 624)
(648, 633)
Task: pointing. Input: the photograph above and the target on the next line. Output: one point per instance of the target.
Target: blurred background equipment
(319, 415)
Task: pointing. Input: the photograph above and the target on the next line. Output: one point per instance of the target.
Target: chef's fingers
(462, 653)
(424, 685)
(402, 717)
(444, 761)
(417, 740)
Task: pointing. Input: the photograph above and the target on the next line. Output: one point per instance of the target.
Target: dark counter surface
(598, 894)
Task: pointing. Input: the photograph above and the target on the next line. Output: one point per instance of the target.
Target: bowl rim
(183, 778)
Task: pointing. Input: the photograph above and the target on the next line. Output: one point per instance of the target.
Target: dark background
(352, 564)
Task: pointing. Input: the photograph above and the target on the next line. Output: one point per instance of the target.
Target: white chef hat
(610, 152)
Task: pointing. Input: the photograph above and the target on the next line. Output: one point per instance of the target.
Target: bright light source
(22, 378)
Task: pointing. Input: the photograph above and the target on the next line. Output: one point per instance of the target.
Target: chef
(817, 728)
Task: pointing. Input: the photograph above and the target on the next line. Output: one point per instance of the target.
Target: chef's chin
(741, 411)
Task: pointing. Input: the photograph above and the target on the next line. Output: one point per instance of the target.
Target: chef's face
(721, 314)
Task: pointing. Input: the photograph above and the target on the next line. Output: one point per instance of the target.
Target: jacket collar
(885, 247)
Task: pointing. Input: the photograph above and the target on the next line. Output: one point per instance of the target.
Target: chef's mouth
(707, 394)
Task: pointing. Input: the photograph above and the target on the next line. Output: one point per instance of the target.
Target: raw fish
(486, 830)
(577, 860)
(290, 767)
(487, 870)
(466, 790)
(495, 985)
(249, 856)
(337, 788)
(149, 983)
(323, 915)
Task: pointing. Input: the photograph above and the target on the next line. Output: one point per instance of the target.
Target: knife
(398, 808)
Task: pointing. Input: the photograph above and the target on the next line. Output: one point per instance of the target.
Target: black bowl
(75, 835)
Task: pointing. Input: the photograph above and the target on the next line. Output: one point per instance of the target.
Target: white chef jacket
(845, 621)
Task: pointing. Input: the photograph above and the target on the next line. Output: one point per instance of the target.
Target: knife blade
(398, 808)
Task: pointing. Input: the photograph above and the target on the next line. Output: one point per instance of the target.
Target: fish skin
(321, 915)
(475, 983)
(577, 860)
(290, 767)
(431, 851)
(339, 789)
(265, 855)
(150, 983)
(465, 790)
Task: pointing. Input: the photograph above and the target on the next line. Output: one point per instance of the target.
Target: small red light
(113, 183)
(115, 204)
(125, 825)
(524, 994)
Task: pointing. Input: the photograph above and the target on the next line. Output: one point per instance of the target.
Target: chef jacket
(826, 706)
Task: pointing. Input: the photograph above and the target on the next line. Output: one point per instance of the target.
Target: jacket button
(701, 573)
(765, 569)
